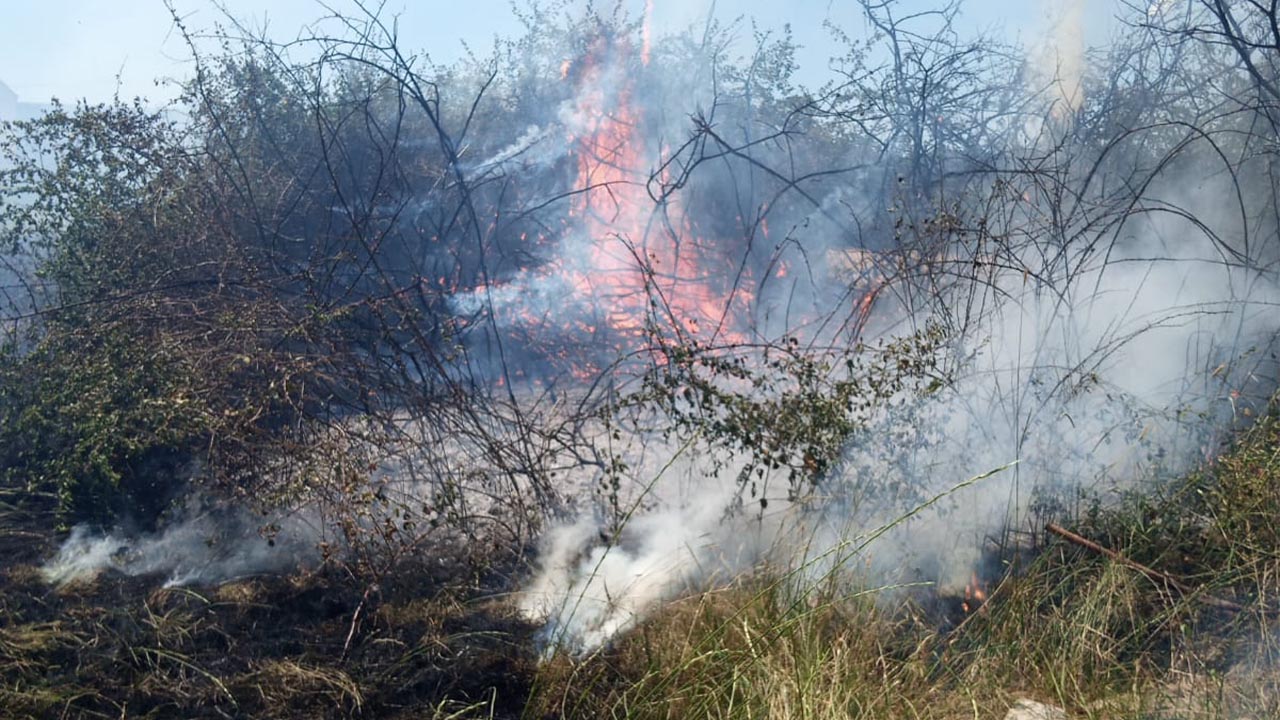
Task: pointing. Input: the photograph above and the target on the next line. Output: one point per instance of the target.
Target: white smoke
(1090, 372)
(588, 591)
(203, 541)
(198, 547)
(1093, 378)
(1056, 67)
(590, 586)
(528, 149)
(83, 556)
(1061, 61)
(1112, 386)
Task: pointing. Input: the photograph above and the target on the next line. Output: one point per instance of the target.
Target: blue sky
(87, 48)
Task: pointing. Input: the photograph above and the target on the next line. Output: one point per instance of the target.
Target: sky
(90, 49)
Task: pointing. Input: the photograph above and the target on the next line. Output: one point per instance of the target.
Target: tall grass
(1067, 627)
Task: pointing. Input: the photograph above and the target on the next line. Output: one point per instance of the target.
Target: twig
(355, 621)
(1149, 572)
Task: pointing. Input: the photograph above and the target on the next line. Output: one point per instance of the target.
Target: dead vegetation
(260, 647)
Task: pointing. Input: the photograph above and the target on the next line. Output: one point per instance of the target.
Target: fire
(638, 249)
(629, 260)
(975, 594)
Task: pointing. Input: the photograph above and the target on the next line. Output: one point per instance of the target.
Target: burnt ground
(436, 640)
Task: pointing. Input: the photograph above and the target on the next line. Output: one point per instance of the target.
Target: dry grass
(1069, 628)
(281, 684)
(267, 647)
(744, 653)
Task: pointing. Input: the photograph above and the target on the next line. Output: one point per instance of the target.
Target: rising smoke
(1093, 339)
(1091, 370)
(198, 545)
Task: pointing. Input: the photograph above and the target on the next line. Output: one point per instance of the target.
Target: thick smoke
(588, 591)
(1129, 380)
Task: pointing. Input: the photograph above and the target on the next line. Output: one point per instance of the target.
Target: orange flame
(632, 254)
(637, 249)
(975, 594)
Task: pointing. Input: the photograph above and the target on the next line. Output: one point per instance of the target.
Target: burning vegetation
(620, 374)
